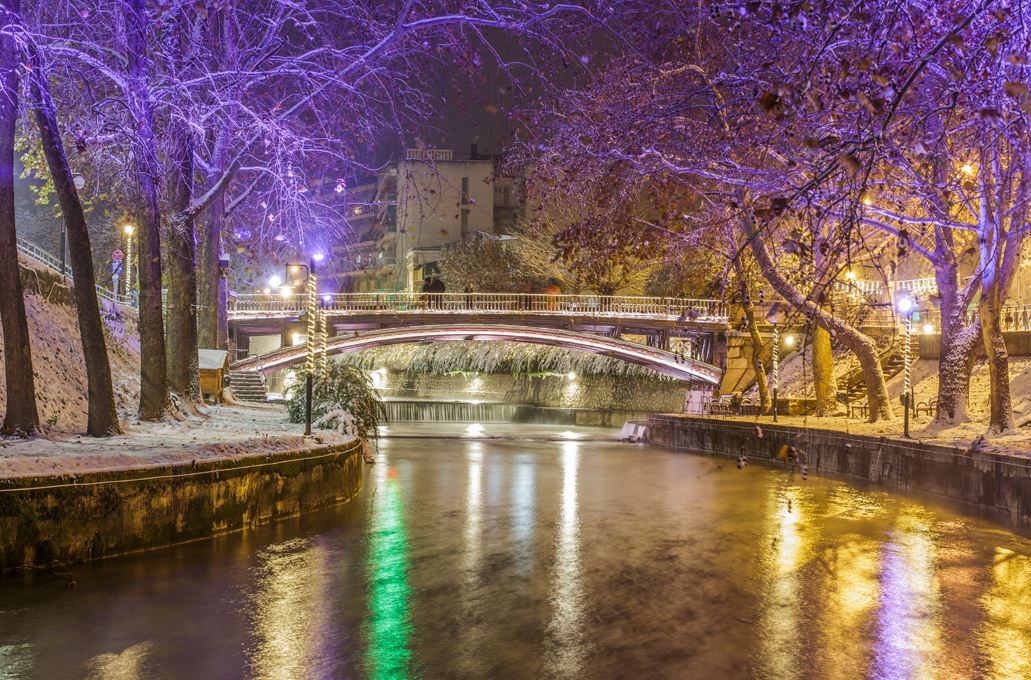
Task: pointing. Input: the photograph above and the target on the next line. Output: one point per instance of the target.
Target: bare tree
(21, 415)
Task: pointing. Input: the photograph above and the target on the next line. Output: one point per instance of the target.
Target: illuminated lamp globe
(79, 182)
(128, 229)
(905, 305)
(789, 340)
(928, 328)
(275, 281)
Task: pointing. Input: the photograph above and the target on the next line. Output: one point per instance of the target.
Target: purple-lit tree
(256, 104)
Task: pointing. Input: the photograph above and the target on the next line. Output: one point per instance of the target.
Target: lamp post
(776, 368)
(905, 306)
(313, 319)
(128, 259)
(326, 299)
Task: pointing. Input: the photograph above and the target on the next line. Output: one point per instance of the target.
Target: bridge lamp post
(905, 306)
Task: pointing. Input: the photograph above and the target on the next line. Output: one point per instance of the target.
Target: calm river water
(555, 559)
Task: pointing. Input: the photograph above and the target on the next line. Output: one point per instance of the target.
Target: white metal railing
(428, 154)
(514, 303)
(50, 262)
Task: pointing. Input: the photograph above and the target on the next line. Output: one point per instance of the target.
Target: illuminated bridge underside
(658, 360)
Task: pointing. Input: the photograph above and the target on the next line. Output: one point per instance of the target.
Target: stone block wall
(73, 519)
(993, 482)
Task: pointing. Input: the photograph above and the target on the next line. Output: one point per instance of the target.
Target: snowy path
(230, 432)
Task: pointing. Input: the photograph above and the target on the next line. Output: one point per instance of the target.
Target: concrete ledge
(76, 518)
(989, 481)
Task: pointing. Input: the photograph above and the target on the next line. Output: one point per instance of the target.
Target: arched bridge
(660, 360)
(657, 319)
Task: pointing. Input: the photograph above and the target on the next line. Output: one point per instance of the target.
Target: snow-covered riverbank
(222, 432)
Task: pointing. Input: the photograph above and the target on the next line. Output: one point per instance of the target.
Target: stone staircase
(853, 384)
(248, 386)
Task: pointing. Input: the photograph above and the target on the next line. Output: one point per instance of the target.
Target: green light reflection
(388, 625)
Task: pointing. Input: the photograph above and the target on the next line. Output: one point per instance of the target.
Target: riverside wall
(993, 482)
(72, 519)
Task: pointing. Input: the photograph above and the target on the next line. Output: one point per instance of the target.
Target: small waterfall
(448, 412)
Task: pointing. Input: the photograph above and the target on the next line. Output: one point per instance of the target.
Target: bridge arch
(659, 360)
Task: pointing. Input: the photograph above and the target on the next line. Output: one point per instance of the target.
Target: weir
(454, 412)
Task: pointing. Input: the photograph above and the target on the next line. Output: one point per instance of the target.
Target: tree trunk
(823, 373)
(960, 346)
(155, 400)
(1001, 408)
(182, 276)
(860, 344)
(21, 416)
(757, 344)
(103, 416)
(209, 281)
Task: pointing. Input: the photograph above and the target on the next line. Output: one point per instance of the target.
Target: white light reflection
(568, 434)
(470, 656)
(567, 648)
(474, 430)
(908, 643)
(523, 518)
(15, 661)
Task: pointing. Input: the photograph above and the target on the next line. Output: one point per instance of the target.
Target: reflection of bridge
(659, 360)
(657, 319)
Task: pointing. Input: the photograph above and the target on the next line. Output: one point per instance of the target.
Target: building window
(465, 222)
(465, 192)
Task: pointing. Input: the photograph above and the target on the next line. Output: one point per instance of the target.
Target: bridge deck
(589, 313)
(662, 361)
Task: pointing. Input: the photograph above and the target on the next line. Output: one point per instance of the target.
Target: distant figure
(436, 288)
(551, 291)
(524, 300)
(469, 295)
(425, 290)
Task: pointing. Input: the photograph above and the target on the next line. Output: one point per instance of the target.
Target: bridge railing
(576, 305)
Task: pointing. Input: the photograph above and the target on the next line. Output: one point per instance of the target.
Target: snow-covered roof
(212, 358)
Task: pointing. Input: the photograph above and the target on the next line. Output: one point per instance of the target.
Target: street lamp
(905, 306)
(128, 259)
(313, 319)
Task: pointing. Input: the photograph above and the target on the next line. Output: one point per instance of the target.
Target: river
(570, 558)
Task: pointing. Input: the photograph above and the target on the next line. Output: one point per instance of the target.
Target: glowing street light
(274, 282)
(967, 169)
(571, 375)
(789, 340)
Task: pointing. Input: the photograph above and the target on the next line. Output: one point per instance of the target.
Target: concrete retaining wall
(73, 519)
(990, 481)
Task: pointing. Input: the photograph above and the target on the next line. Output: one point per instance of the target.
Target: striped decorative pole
(322, 338)
(776, 368)
(908, 385)
(313, 318)
(313, 310)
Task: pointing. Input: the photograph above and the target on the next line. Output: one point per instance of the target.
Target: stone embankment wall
(72, 519)
(993, 482)
(583, 392)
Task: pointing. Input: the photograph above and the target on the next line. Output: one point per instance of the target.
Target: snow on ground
(60, 373)
(223, 431)
(796, 381)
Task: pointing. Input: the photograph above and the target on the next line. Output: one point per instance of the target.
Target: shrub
(342, 399)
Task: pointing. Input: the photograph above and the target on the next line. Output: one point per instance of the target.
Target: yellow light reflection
(129, 665)
(793, 536)
(293, 614)
(1006, 640)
